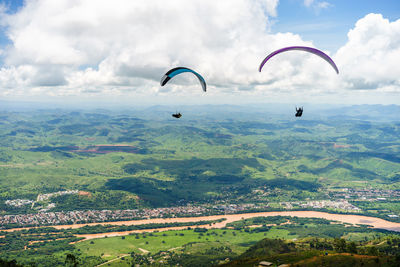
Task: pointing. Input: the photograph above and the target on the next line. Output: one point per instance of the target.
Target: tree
(70, 260)
(352, 248)
(339, 244)
(372, 251)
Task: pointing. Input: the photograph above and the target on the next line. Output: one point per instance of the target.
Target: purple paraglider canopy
(302, 48)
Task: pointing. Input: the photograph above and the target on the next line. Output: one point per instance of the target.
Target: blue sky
(328, 27)
(12, 5)
(120, 49)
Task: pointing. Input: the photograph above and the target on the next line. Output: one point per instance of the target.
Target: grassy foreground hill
(279, 252)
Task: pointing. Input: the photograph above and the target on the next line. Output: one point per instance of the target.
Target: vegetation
(287, 239)
(212, 157)
(279, 252)
(165, 162)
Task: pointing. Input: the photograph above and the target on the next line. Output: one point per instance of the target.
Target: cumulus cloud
(370, 58)
(81, 43)
(71, 47)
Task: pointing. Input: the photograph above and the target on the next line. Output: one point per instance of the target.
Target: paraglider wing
(175, 71)
(302, 48)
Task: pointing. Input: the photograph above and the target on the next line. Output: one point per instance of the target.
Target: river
(352, 219)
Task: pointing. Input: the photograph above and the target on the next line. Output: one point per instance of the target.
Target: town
(338, 203)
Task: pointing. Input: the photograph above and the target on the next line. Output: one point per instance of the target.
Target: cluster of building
(44, 197)
(367, 194)
(70, 217)
(340, 205)
(18, 202)
(234, 208)
(178, 211)
(322, 204)
(44, 217)
(41, 197)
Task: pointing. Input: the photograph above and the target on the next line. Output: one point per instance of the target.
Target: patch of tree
(266, 155)
(78, 129)
(363, 126)
(320, 252)
(52, 148)
(390, 130)
(5, 157)
(54, 121)
(357, 172)
(267, 247)
(209, 257)
(22, 131)
(321, 244)
(194, 166)
(137, 126)
(200, 230)
(155, 192)
(58, 154)
(394, 178)
(225, 179)
(98, 200)
(290, 184)
(278, 220)
(103, 132)
(386, 156)
(301, 130)
(122, 228)
(11, 263)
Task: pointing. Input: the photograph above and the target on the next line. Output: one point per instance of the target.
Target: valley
(67, 176)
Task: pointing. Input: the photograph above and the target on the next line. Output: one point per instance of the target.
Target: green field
(114, 246)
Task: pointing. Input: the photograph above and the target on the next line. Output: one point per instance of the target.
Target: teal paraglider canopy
(301, 48)
(175, 71)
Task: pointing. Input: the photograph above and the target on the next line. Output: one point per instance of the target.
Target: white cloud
(323, 5)
(370, 59)
(132, 43)
(317, 5)
(123, 47)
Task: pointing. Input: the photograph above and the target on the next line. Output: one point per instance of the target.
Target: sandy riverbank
(352, 219)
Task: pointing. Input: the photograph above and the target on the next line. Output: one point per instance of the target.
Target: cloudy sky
(117, 51)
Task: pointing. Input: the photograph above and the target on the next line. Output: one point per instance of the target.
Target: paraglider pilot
(177, 115)
(175, 71)
(299, 112)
